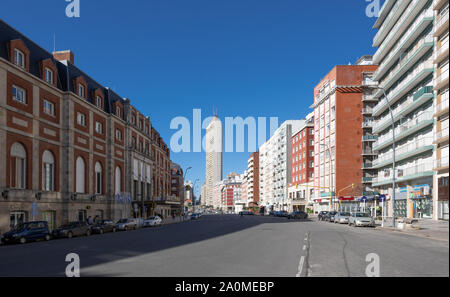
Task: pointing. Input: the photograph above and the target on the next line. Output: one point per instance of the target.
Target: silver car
(360, 219)
(127, 224)
(341, 217)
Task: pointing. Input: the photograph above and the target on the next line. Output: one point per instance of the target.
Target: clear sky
(243, 57)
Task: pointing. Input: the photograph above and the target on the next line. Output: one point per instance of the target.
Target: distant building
(214, 165)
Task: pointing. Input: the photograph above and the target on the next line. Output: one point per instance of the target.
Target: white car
(361, 219)
(341, 217)
(153, 221)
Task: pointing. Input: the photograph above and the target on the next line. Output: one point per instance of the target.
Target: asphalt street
(233, 246)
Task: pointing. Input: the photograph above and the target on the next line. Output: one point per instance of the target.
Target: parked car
(104, 226)
(25, 232)
(361, 219)
(195, 216)
(330, 216)
(342, 217)
(272, 213)
(246, 213)
(72, 229)
(127, 224)
(297, 215)
(153, 221)
(282, 213)
(321, 216)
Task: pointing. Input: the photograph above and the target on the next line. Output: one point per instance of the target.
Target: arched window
(48, 171)
(80, 175)
(18, 166)
(98, 178)
(118, 180)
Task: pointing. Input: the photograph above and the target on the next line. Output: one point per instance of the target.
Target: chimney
(64, 55)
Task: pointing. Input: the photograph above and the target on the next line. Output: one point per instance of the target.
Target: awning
(346, 198)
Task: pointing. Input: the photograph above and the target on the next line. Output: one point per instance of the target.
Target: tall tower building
(213, 148)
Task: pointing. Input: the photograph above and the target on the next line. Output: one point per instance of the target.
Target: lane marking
(300, 266)
(304, 247)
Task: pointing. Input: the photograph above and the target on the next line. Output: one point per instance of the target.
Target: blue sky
(243, 57)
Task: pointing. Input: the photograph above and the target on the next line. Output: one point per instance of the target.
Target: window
(19, 58)
(49, 108)
(98, 102)
(118, 112)
(118, 134)
(19, 94)
(98, 127)
(98, 178)
(80, 175)
(81, 119)
(49, 76)
(118, 180)
(81, 90)
(48, 167)
(18, 166)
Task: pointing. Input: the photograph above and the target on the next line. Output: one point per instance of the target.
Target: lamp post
(331, 167)
(184, 179)
(393, 150)
(193, 195)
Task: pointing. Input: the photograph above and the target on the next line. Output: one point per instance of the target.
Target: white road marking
(300, 266)
(304, 247)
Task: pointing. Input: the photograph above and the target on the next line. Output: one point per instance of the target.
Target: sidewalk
(437, 230)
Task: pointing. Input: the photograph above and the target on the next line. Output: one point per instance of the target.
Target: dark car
(195, 216)
(272, 213)
(73, 229)
(282, 213)
(330, 216)
(322, 215)
(246, 213)
(30, 231)
(104, 226)
(295, 215)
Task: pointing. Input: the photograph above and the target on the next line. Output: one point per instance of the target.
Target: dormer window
(98, 102)
(49, 76)
(19, 58)
(81, 90)
(118, 112)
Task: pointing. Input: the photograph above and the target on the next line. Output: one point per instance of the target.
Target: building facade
(213, 147)
(66, 141)
(405, 46)
(253, 181)
(441, 83)
(338, 130)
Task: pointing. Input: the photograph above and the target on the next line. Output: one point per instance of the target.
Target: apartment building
(177, 188)
(214, 169)
(441, 83)
(253, 180)
(301, 186)
(404, 54)
(244, 188)
(65, 139)
(338, 146)
(275, 164)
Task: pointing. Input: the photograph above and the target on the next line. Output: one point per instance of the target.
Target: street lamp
(184, 179)
(331, 167)
(193, 195)
(393, 150)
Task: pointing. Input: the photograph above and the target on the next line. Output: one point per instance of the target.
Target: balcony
(422, 96)
(441, 24)
(441, 136)
(441, 164)
(369, 138)
(389, 22)
(401, 26)
(368, 152)
(367, 179)
(441, 52)
(367, 111)
(405, 151)
(369, 98)
(442, 107)
(367, 165)
(414, 55)
(410, 173)
(411, 126)
(368, 82)
(417, 75)
(368, 124)
(441, 80)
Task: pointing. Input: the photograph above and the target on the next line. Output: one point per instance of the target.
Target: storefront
(422, 202)
(443, 198)
(347, 203)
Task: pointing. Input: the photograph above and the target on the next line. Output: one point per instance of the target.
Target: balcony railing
(441, 21)
(441, 163)
(368, 151)
(368, 124)
(404, 149)
(443, 105)
(369, 138)
(405, 173)
(393, 94)
(439, 135)
(404, 128)
(441, 78)
(367, 110)
(441, 50)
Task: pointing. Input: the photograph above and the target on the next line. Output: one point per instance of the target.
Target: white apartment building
(441, 83)
(275, 166)
(213, 147)
(404, 54)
